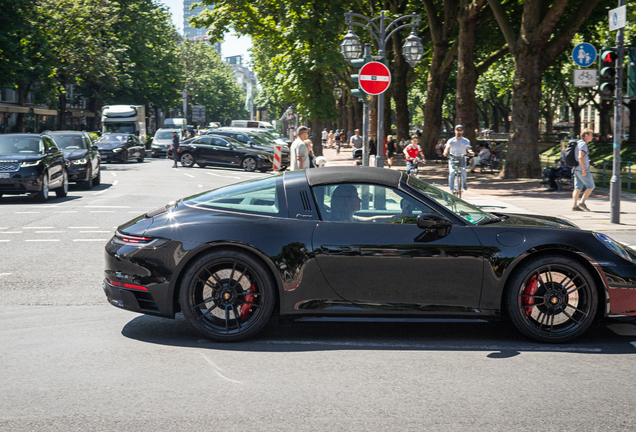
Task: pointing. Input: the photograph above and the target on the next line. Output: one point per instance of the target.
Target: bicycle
(416, 166)
(458, 162)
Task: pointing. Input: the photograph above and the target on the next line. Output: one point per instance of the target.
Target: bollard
(604, 170)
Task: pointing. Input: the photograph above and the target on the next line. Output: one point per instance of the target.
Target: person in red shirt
(413, 154)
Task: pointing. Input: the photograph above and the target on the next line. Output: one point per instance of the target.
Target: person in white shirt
(458, 146)
(325, 136)
(299, 155)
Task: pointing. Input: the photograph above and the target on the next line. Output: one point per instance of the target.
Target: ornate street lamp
(351, 48)
(413, 50)
(337, 92)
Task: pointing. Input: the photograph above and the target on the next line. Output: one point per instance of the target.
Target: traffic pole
(616, 182)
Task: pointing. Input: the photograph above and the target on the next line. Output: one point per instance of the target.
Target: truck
(125, 119)
(177, 123)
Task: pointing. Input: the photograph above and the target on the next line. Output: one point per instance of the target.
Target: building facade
(193, 33)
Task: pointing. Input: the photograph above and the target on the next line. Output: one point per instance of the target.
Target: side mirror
(94, 147)
(435, 226)
(230, 146)
(53, 150)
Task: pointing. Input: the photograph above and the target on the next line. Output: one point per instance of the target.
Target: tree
(546, 29)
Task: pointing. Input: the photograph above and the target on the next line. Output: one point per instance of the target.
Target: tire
(202, 165)
(43, 195)
(143, 155)
(62, 191)
(187, 160)
(124, 156)
(88, 185)
(263, 170)
(458, 185)
(214, 297)
(97, 180)
(566, 310)
(249, 164)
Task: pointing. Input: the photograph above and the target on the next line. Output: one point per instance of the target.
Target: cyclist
(458, 146)
(413, 154)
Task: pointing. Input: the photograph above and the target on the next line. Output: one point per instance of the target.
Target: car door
(55, 163)
(226, 153)
(373, 252)
(202, 149)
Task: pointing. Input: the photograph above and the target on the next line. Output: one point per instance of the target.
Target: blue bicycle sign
(584, 54)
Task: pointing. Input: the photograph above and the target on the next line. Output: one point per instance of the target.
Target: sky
(232, 45)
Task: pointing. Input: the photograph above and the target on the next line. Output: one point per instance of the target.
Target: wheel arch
(240, 247)
(585, 260)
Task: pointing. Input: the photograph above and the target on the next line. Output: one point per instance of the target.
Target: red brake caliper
(530, 289)
(245, 308)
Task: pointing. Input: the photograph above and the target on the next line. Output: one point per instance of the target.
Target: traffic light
(357, 64)
(607, 72)
(631, 73)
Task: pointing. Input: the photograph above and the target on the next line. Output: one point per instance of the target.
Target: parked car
(161, 142)
(120, 148)
(223, 151)
(81, 155)
(341, 242)
(255, 141)
(251, 124)
(32, 164)
(267, 135)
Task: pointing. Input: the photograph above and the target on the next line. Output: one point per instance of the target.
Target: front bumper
(78, 173)
(21, 182)
(159, 151)
(110, 156)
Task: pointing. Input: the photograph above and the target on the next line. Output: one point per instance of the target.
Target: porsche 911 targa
(362, 242)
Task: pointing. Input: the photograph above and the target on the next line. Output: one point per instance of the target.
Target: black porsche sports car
(362, 242)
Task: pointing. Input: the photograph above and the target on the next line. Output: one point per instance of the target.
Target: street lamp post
(381, 28)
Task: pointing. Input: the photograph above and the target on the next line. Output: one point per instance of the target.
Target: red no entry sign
(374, 78)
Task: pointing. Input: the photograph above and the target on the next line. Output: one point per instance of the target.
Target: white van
(177, 123)
(251, 124)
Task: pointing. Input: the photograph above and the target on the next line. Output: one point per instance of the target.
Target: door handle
(339, 250)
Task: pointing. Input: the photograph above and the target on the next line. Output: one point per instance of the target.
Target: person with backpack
(581, 168)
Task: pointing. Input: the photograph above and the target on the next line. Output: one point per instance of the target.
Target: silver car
(161, 142)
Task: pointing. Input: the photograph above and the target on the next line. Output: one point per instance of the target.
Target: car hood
(109, 146)
(534, 221)
(162, 141)
(75, 154)
(17, 157)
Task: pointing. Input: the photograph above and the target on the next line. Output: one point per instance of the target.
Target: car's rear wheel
(187, 160)
(249, 164)
(227, 296)
(552, 299)
(62, 191)
(43, 195)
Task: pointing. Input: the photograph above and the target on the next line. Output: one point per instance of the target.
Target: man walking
(175, 148)
(582, 174)
(356, 142)
(299, 155)
(458, 146)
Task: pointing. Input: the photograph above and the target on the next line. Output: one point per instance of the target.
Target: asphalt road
(71, 362)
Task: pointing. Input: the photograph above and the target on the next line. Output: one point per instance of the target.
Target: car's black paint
(220, 151)
(117, 147)
(83, 159)
(337, 269)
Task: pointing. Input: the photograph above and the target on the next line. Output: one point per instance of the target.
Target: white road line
(5, 274)
(189, 175)
(115, 182)
(100, 192)
(48, 232)
(27, 212)
(200, 186)
(4, 241)
(85, 232)
(43, 240)
(4, 228)
(113, 173)
(90, 240)
(83, 227)
(112, 206)
(11, 232)
(38, 227)
(623, 329)
(101, 211)
(219, 175)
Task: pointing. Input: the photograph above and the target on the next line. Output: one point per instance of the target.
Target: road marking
(102, 211)
(200, 186)
(5, 274)
(26, 212)
(83, 227)
(48, 232)
(43, 240)
(217, 370)
(551, 348)
(219, 175)
(4, 228)
(100, 192)
(85, 232)
(623, 329)
(38, 227)
(112, 206)
(4, 241)
(115, 182)
(90, 240)
(113, 173)
(189, 175)
(11, 232)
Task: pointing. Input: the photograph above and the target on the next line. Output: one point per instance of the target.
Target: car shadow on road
(498, 339)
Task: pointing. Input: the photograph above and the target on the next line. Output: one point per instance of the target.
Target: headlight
(79, 161)
(614, 246)
(117, 149)
(29, 164)
(155, 146)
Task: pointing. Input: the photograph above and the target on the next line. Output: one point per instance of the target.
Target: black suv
(33, 164)
(81, 155)
(120, 147)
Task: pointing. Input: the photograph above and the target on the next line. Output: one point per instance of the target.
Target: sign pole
(616, 182)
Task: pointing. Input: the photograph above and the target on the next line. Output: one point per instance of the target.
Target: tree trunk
(576, 111)
(483, 110)
(496, 116)
(522, 158)
(388, 114)
(316, 139)
(465, 104)
(400, 96)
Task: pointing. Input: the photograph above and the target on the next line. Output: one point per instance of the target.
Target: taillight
(134, 239)
(127, 285)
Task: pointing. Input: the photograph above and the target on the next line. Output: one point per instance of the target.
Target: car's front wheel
(552, 299)
(62, 191)
(227, 296)
(187, 160)
(249, 164)
(98, 179)
(43, 195)
(141, 158)
(88, 184)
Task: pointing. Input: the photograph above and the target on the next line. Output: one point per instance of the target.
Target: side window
(219, 142)
(203, 140)
(45, 144)
(88, 141)
(242, 138)
(364, 203)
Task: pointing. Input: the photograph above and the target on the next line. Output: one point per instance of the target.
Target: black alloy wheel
(62, 191)
(88, 184)
(249, 164)
(552, 299)
(227, 296)
(187, 160)
(98, 178)
(43, 195)
(141, 158)
(124, 156)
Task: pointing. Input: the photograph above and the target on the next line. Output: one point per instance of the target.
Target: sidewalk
(527, 196)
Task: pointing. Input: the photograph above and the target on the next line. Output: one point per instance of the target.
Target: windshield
(468, 212)
(119, 128)
(260, 140)
(10, 144)
(111, 139)
(163, 135)
(69, 142)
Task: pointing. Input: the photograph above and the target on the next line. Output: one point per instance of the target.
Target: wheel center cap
(226, 296)
(554, 300)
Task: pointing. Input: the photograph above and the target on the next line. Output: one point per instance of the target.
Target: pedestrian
(390, 150)
(481, 158)
(457, 146)
(330, 139)
(325, 137)
(310, 154)
(413, 154)
(175, 148)
(336, 140)
(373, 146)
(582, 174)
(356, 142)
(299, 154)
(349, 135)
